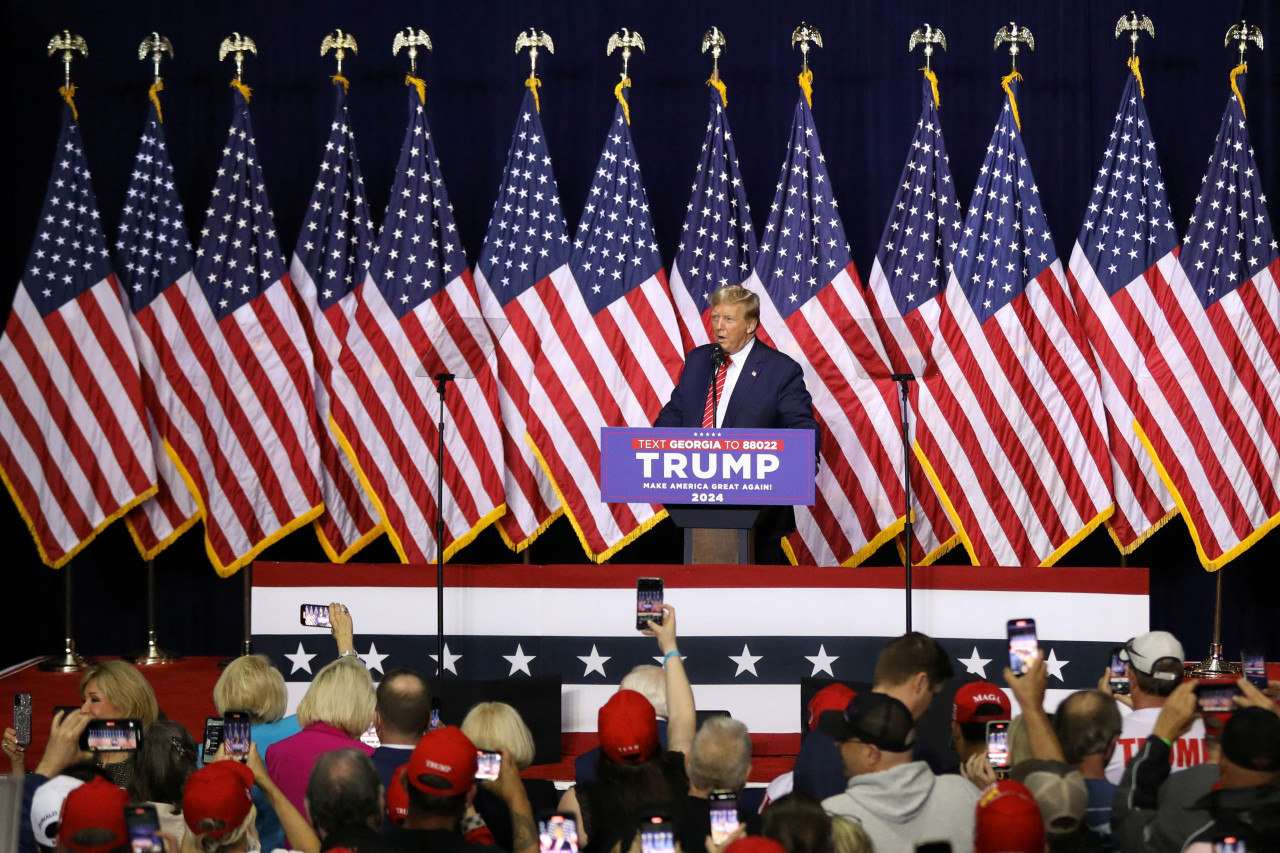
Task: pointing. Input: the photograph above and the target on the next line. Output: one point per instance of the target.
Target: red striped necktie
(709, 413)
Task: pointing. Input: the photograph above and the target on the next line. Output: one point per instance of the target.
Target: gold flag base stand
(1215, 666)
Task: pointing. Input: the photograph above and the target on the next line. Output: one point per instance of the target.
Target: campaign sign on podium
(766, 467)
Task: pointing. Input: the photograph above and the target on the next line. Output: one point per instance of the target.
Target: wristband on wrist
(1167, 742)
(350, 653)
(668, 656)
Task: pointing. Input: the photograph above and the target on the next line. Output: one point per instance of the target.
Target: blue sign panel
(711, 466)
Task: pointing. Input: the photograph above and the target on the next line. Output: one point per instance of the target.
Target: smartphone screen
(435, 714)
(488, 765)
(1230, 845)
(1119, 678)
(212, 737)
(558, 833)
(315, 616)
(657, 835)
(648, 602)
(114, 735)
(998, 744)
(22, 718)
(1022, 644)
(235, 731)
(1255, 667)
(144, 829)
(724, 815)
(1216, 698)
(370, 736)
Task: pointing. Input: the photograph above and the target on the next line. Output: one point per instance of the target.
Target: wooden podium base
(719, 545)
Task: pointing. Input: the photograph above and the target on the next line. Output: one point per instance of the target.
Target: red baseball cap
(397, 796)
(443, 763)
(977, 701)
(755, 844)
(833, 697)
(1007, 820)
(93, 818)
(218, 791)
(628, 727)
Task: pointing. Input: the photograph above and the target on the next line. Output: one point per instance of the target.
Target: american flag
(526, 252)
(417, 316)
(256, 470)
(1216, 440)
(813, 309)
(908, 278)
(154, 252)
(74, 448)
(613, 354)
(1127, 230)
(333, 255)
(1018, 441)
(718, 243)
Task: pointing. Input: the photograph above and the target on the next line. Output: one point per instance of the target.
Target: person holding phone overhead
(739, 381)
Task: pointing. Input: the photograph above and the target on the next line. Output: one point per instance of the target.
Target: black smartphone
(558, 833)
(724, 815)
(435, 714)
(933, 847)
(144, 829)
(1119, 677)
(1022, 644)
(314, 615)
(657, 835)
(488, 765)
(648, 602)
(113, 735)
(212, 737)
(22, 718)
(1216, 698)
(235, 733)
(998, 744)
(1230, 845)
(1255, 667)
(66, 710)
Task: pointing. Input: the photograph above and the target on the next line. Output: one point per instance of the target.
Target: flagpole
(69, 660)
(1214, 666)
(442, 385)
(152, 655)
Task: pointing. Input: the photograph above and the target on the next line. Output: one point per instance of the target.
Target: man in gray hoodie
(899, 802)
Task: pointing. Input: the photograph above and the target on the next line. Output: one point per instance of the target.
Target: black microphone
(718, 356)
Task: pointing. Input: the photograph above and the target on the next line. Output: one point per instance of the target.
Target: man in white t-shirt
(1154, 670)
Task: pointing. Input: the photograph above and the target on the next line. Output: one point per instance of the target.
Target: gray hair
(650, 682)
(720, 758)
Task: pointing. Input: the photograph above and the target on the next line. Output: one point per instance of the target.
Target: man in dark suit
(756, 387)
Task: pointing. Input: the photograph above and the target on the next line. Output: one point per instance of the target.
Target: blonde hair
(497, 725)
(341, 695)
(246, 831)
(733, 294)
(125, 688)
(252, 683)
(1019, 741)
(849, 836)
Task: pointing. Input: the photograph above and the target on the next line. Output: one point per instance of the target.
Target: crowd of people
(1162, 777)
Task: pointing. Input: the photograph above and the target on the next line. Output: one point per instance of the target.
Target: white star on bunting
(975, 665)
(300, 660)
(746, 662)
(822, 662)
(519, 661)
(594, 662)
(373, 660)
(1054, 665)
(450, 660)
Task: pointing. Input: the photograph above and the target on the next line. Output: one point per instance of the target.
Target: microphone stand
(903, 379)
(718, 357)
(442, 384)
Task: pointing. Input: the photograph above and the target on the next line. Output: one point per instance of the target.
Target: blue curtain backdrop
(866, 100)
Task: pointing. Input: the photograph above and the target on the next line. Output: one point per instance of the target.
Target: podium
(714, 483)
(716, 534)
